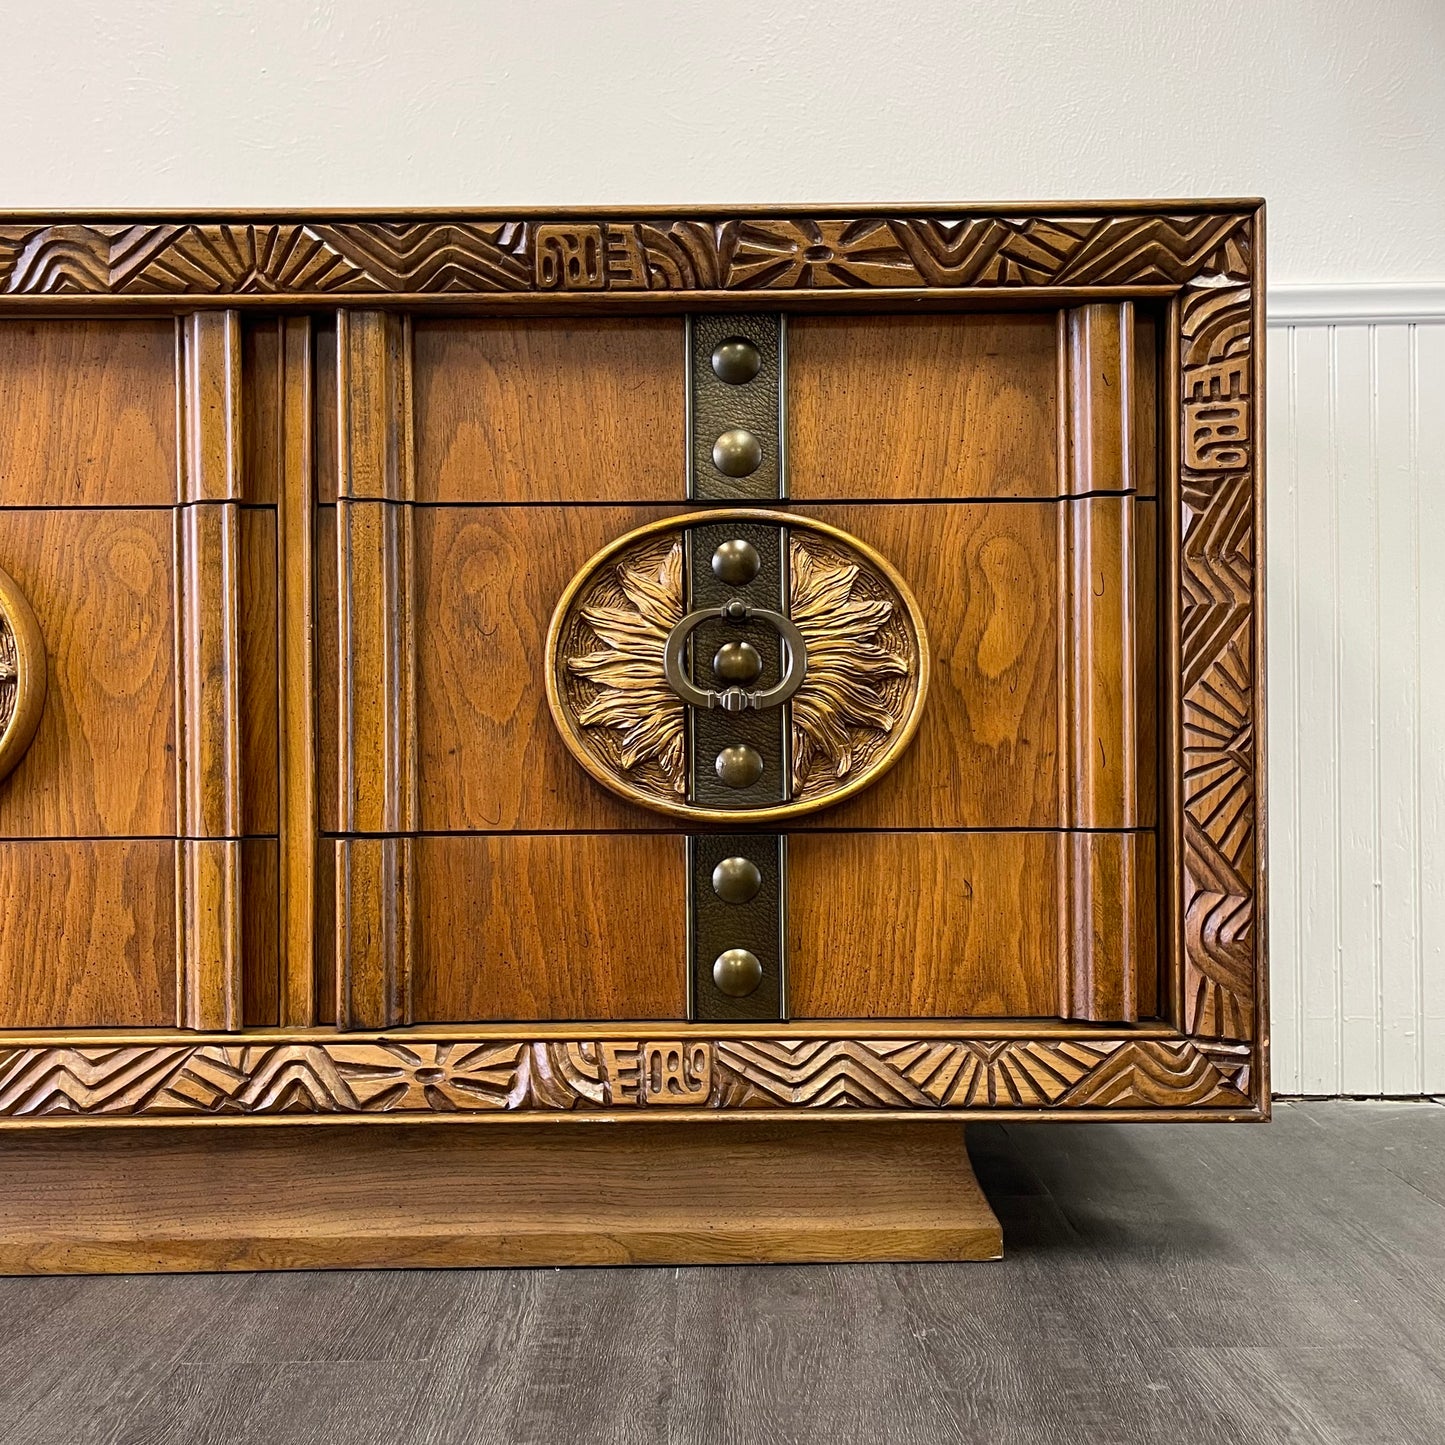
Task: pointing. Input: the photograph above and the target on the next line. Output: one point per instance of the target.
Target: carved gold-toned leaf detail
(848, 664)
(632, 696)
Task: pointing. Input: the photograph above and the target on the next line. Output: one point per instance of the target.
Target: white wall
(1332, 109)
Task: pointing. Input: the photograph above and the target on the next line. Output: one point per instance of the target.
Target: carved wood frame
(1203, 259)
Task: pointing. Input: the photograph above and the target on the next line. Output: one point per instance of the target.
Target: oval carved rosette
(22, 674)
(855, 711)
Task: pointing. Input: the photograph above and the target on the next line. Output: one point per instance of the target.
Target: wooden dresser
(723, 673)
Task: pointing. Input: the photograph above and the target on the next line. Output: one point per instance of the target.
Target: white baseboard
(1356, 305)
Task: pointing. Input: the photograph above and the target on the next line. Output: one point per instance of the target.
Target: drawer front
(139, 826)
(503, 480)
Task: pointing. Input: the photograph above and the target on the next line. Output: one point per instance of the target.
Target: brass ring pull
(736, 699)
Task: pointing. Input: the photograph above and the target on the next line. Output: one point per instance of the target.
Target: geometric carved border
(1206, 255)
(494, 255)
(1219, 682)
(404, 1077)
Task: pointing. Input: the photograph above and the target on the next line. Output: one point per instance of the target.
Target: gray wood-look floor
(1163, 1284)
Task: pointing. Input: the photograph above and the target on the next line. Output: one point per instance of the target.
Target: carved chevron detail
(405, 1077)
(486, 256)
(1217, 581)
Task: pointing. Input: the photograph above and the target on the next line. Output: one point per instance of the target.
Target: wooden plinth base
(325, 1197)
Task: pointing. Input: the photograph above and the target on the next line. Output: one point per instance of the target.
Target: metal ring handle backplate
(736, 699)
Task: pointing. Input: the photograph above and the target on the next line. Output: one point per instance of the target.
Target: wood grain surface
(333, 1198)
(259, 700)
(987, 751)
(549, 411)
(899, 925)
(550, 927)
(1108, 901)
(941, 406)
(260, 932)
(88, 936)
(103, 759)
(487, 579)
(87, 413)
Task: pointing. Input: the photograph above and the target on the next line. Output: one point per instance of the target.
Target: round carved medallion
(22, 674)
(620, 695)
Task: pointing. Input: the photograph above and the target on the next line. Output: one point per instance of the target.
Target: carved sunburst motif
(850, 702)
(846, 692)
(632, 696)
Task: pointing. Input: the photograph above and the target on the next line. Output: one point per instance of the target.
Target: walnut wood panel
(987, 751)
(263, 374)
(922, 406)
(538, 410)
(297, 560)
(209, 933)
(87, 413)
(88, 936)
(259, 710)
(1108, 920)
(210, 743)
(487, 579)
(375, 928)
(376, 684)
(328, 670)
(903, 925)
(348, 1198)
(1147, 438)
(1105, 724)
(551, 927)
(103, 759)
(1098, 410)
(260, 932)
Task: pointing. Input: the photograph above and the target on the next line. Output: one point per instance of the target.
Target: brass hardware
(737, 453)
(736, 361)
(737, 900)
(739, 766)
(736, 562)
(736, 972)
(22, 674)
(738, 662)
(736, 699)
(736, 431)
(736, 880)
(850, 720)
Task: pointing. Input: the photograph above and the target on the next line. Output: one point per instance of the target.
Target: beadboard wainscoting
(1356, 576)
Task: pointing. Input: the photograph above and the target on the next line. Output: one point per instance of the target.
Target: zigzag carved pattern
(482, 257)
(1217, 579)
(416, 1078)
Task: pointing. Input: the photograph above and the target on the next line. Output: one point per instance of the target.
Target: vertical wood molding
(208, 753)
(1099, 362)
(375, 931)
(1099, 664)
(377, 704)
(1108, 957)
(296, 496)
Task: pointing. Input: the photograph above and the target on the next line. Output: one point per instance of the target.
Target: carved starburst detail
(846, 694)
(859, 685)
(632, 695)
